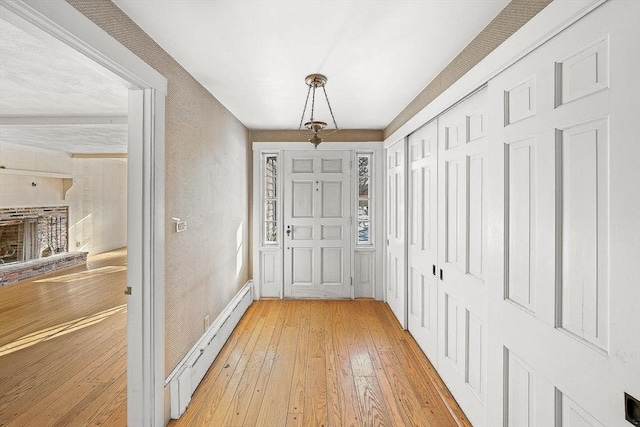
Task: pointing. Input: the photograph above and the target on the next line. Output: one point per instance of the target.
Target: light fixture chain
(330, 110)
(305, 109)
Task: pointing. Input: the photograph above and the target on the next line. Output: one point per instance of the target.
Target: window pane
(270, 232)
(271, 172)
(363, 231)
(363, 165)
(363, 210)
(271, 212)
(363, 187)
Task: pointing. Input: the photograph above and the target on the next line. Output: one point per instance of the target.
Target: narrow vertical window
(364, 199)
(270, 199)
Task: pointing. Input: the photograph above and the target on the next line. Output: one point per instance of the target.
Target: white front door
(317, 224)
(423, 238)
(567, 285)
(396, 239)
(462, 223)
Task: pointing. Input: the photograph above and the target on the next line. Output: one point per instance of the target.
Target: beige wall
(207, 170)
(97, 200)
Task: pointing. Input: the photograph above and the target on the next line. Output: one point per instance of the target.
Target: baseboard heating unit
(187, 375)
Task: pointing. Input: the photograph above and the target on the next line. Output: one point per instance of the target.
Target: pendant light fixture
(315, 128)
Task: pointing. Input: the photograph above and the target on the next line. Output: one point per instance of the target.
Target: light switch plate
(181, 226)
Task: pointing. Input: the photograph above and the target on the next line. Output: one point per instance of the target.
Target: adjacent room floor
(63, 346)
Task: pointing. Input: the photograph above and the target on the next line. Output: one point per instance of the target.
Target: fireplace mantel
(67, 180)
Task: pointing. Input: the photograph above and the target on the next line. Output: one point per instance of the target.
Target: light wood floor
(321, 363)
(288, 363)
(63, 347)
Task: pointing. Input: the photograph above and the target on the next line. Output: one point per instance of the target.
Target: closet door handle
(441, 276)
(434, 270)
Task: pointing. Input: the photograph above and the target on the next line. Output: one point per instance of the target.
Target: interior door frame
(62, 23)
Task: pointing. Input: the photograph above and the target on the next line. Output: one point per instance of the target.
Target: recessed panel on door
(331, 262)
(332, 199)
(583, 165)
(302, 259)
(302, 203)
(521, 207)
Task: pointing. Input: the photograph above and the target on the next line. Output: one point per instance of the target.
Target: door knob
(288, 230)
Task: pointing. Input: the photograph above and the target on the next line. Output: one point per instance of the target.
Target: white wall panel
(270, 273)
(364, 273)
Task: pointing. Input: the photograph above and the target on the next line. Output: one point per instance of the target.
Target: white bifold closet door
(565, 284)
(462, 254)
(423, 238)
(395, 228)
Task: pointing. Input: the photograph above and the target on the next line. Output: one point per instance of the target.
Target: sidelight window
(364, 198)
(270, 200)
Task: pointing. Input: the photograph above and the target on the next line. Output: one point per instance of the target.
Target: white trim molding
(60, 23)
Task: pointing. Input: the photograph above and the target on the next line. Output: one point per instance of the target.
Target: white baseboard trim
(184, 379)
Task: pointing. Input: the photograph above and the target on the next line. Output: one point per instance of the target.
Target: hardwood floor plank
(315, 403)
(298, 382)
(237, 409)
(372, 403)
(350, 410)
(367, 324)
(257, 398)
(276, 398)
(335, 398)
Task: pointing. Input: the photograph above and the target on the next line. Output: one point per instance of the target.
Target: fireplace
(35, 241)
(18, 240)
(32, 233)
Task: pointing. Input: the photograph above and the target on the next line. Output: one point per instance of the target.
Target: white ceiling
(48, 95)
(253, 55)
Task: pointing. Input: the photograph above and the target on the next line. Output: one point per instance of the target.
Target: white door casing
(422, 254)
(564, 316)
(462, 245)
(395, 262)
(65, 25)
(317, 224)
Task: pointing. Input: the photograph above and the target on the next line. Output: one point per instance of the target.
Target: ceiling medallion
(315, 128)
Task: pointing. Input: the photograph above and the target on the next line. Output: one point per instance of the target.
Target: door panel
(396, 239)
(567, 189)
(462, 224)
(317, 224)
(422, 251)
